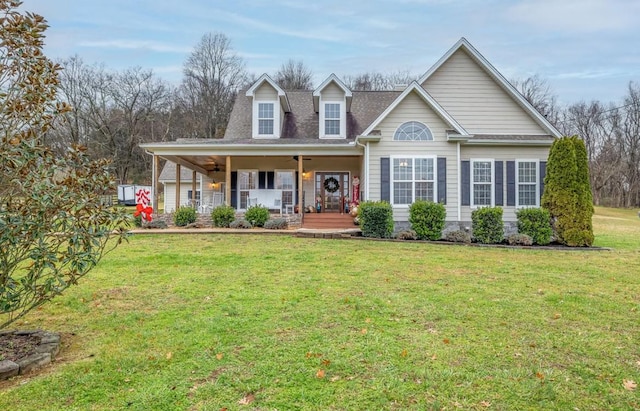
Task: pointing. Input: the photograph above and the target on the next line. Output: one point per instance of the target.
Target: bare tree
(377, 81)
(537, 91)
(294, 75)
(111, 113)
(213, 73)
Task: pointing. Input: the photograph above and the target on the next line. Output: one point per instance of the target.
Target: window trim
(472, 183)
(256, 119)
(413, 121)
(536, 183)
(392, 181)
(342, 119)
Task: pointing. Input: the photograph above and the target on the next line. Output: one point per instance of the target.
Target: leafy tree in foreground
(567, 194)
(53, 225)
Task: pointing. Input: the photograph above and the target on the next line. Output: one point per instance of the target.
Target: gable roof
(426, 97)
(348, 94)
(463, 44)
(284, 101)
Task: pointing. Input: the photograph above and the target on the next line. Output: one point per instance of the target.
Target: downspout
(366, 168)
(459, 182)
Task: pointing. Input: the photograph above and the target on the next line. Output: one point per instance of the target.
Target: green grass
(209, 322)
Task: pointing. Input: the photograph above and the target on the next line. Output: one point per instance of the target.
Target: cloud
(136, 44)
(577, 16)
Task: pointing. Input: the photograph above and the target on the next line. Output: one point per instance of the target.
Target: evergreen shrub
(427, 219)
(487, 225)
(376, 219)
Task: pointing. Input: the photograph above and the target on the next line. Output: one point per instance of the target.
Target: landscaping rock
(8, 369)
(33, 362)
(36, 354)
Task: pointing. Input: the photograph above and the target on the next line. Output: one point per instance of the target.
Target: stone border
(44, 353)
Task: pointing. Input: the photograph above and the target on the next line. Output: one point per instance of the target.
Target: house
(460, 135)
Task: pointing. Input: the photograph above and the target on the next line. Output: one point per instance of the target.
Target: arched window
(413, 131)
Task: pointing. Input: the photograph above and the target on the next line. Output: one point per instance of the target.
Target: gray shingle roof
(168, 173)
(301, 124)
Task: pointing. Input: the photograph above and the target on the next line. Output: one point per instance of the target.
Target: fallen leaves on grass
(485, 404)
(219, 356)
(446, 341)
(247, 399)
(320, 373)
(169, 355)
(629, 385)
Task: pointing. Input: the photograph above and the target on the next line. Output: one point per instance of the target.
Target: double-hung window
(332, 119)
(527, 183)
(265, 119)
(414, 178)
(482, 183)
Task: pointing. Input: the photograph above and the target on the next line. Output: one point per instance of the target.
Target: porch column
(193, 188)
(227, 179)
(154, 183)
(178, 180)
(300, 188)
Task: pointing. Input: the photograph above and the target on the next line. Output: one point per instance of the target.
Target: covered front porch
(286, 180)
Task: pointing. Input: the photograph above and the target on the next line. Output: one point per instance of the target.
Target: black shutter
(271, 176)
(543, 174)
(465, 181)
(499, 178)
(511, 183)
(385, 179)
(262, 180)
(442, 180)
(234, 189)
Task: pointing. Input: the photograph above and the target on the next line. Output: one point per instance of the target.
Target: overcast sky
(586, 49)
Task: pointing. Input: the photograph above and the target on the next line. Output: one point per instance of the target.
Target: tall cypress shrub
(565, 195)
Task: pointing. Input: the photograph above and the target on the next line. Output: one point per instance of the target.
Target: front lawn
(259, 322)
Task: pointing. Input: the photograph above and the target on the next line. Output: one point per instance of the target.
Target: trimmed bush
(257, 215)
(277, 224)
(184, 216)
(536, 223)
(137, 220)
(487, 225)
(376, 219)
(567, 193)
(407, 235)
(223, 216)
(458, 236)
(427, 219)
(242, 223)
(519, 239)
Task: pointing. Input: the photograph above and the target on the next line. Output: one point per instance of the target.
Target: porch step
(328, 221)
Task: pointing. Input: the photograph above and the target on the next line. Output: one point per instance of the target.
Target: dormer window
(332, 119)
(332, 101)
(265, 119)
(270, 104)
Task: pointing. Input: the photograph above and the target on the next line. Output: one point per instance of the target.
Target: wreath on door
(331, 185)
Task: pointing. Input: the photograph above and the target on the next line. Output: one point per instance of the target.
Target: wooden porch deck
(324, 221)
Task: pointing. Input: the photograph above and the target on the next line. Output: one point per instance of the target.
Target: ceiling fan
(296, 158)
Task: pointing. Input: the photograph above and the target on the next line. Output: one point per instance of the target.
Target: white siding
(413, 108)
(265, 92)
(170, 194)
(501, 154)
(476, 101)
(332, 93)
